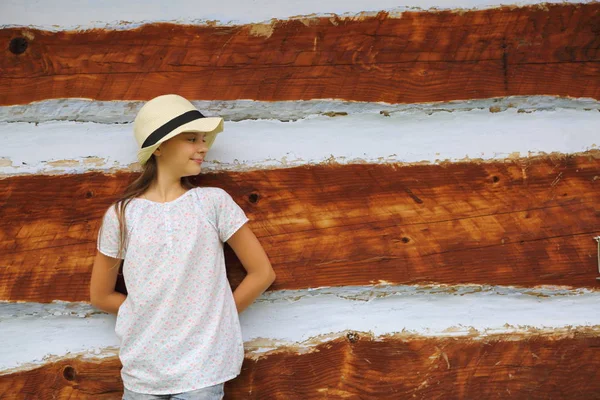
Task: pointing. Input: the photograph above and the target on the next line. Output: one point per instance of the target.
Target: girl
(178, 325)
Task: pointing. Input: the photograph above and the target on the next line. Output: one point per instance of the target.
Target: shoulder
(109, 219)
(214, 194)
(113, 211)
(209, 190)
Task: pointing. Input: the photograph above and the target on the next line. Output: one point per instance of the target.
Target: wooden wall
(424, 181)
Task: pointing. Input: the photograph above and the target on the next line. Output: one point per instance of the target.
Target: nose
(201, 147)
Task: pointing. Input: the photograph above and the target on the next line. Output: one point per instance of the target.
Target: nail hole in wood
(495, 179)
(405, 240)
(352, 337)
(18, 45)
(253, 198)
(69, 373)
(89, 194)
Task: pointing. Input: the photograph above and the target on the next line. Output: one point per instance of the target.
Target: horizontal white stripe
(115, 111)
(31, 333)
(118, 14)
(36, 333)
(407, 136)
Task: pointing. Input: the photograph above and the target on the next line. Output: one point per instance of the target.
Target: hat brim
(209, 125)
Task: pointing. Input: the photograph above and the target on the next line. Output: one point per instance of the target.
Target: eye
(191, 139)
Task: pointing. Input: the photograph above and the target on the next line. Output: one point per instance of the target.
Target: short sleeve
(230, 216)
(108, 235)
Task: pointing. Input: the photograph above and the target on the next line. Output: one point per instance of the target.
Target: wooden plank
(363, 137)
(124, 111)
(116, 14)
(522, 222)
(271, 322)
(411, 57)
(537, 366)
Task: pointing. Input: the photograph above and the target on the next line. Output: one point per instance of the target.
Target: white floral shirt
(179, 328)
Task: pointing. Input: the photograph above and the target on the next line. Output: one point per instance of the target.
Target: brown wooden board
(417, 56)
(536, 366)
(521, 222)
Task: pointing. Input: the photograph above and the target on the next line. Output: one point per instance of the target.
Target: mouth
(197, 161)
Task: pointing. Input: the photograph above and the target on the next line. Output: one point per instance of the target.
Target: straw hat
(167, 116)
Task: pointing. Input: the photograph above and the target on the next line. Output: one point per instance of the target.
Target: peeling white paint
(405, 136)
(429, 311)
(108, 112)
(33, 333)
(117, 14)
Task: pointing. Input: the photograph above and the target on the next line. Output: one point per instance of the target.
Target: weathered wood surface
(412, 57)
(522, 222)
(433, 133)
(537, 366)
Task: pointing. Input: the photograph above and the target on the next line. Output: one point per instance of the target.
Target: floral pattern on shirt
(179, 327)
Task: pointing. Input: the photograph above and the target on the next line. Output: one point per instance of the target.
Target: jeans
(214, 392)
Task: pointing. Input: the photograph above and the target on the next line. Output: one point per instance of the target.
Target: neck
(166, 187)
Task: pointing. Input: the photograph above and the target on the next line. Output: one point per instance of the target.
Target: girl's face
(183, 153)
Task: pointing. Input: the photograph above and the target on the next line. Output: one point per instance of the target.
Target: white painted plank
(32, 333)
(35, 333)
(108, 112)
(118, 14)
(405, 136)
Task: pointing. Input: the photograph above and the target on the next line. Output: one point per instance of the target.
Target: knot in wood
(253, 198)
(352, 337)
(69, 373)
(18, 45)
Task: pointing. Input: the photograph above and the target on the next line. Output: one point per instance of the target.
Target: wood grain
(415, 57)
(358, 367)
(522, 222)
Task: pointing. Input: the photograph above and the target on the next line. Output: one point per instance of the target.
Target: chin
(193, 171)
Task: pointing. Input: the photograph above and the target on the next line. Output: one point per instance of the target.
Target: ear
(157, 151)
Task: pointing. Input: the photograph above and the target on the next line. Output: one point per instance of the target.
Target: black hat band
(171, 125)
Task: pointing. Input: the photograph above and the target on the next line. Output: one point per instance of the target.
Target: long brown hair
(135, 189)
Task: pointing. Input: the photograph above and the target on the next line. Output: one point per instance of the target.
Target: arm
(254, 259)
(102, 285)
